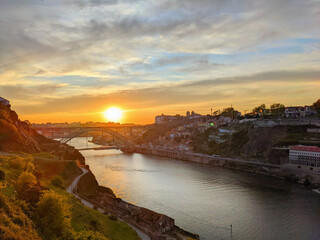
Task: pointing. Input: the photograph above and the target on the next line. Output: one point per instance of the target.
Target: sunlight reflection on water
(207, 200)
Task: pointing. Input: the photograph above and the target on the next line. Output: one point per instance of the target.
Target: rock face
(16, 135)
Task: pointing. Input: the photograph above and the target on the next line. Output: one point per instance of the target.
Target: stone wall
(279, 171)
(286, 122)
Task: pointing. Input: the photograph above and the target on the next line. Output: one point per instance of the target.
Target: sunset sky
(69, 60)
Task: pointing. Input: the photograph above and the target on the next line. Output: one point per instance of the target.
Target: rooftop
(305, 148)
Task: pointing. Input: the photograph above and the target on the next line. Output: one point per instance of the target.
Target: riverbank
(71, 189)
(286, 172)
(148, 224)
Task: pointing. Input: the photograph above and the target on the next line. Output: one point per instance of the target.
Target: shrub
(56, 181)
(89, 235)
(52, 216)
(29, 167)
(2, 201)
(17, 162)
(113, 218)
(2, 175)
(25, 182)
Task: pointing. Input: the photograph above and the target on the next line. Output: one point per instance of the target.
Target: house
(4, 101)
(305, 157)
(158, 221)
(295, 112)
(164, 118)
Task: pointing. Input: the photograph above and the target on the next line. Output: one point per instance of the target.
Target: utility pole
(231, 112)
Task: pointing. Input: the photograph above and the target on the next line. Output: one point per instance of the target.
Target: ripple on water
(207, 200)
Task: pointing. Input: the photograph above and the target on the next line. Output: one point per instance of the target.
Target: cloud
(215, 90)
(140, 51)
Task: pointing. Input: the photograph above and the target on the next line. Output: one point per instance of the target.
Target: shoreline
(71, 190)
(284, 172)
(148, 224)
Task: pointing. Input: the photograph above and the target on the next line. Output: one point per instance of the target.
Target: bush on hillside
(89, 235)
(14, 224)
(57, 182)
(28, 188)
(2, 201)
(25, 181)
(17, 162)
(2, 175)
(53, 216)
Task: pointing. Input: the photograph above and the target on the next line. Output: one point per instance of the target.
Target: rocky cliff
(19, 136)
(16, 135)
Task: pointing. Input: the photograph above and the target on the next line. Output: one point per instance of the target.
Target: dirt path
(73, 186)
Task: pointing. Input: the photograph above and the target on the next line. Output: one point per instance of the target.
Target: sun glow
(113, 114)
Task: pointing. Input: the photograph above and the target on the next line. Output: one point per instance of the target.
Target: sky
(69, 60)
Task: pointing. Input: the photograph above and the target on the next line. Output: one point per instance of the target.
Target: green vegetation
(87, 185)
(53, 216)
(257, 144)
(34, 204)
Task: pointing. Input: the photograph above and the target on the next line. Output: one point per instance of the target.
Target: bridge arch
(115, 134)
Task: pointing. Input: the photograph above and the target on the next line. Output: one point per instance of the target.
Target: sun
(113, 114)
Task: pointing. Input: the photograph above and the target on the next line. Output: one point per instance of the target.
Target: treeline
(274, 110)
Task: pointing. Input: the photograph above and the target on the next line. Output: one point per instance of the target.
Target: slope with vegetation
(34, 204)
(259, 144)
(33, 201)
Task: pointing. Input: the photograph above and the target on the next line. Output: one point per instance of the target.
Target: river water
(207, 200)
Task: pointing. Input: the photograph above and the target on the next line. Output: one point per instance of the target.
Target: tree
(277, 109)
(230, 112)
(25, 182)
(52, 216)
(27, 188)
(259, 109)
(316, 105)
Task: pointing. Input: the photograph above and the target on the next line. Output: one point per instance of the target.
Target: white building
(4, 101)
(295, 112)
(305, 157)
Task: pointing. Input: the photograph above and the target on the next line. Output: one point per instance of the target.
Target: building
(295, 112)
(164, 118)
(4, 101)
(305, 157)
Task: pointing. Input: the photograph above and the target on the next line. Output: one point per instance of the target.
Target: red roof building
(305, 156)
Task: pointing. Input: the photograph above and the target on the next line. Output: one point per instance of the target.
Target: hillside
(34, 204)
(33, 200)
(16, 135)
(19, 136)
(259, 144)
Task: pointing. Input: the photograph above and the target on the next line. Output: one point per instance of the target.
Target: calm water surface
(207, 200)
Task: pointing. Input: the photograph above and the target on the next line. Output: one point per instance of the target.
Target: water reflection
(207, 200)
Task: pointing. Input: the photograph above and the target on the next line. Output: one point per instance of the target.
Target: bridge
(100, 148)
(68, 133)
(82, 130)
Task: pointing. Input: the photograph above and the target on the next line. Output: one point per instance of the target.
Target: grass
(84, 218)
(15, 222)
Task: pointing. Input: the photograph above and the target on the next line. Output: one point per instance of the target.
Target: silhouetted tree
(316, 105)
(259, 109)
(277, 109)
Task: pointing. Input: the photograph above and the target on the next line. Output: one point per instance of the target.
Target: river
(207, 200)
